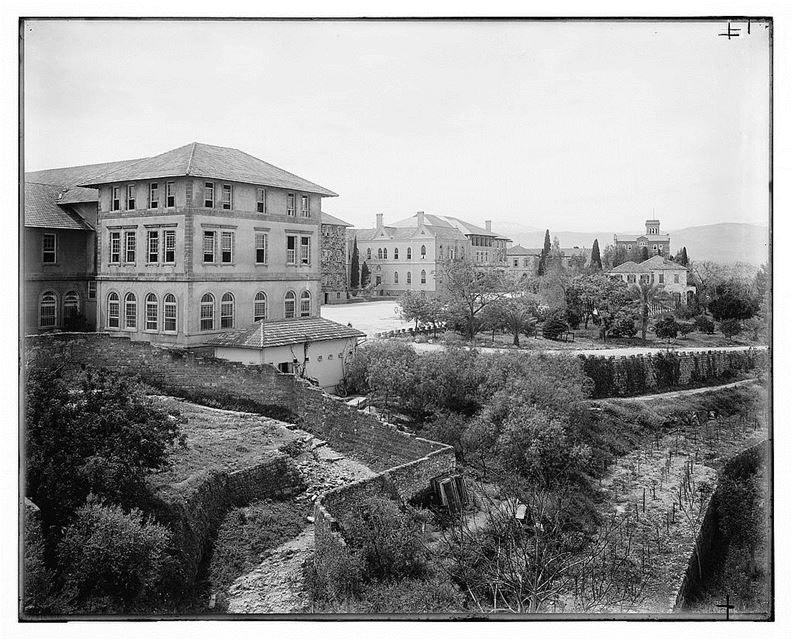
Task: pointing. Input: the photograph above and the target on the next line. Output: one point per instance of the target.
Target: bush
(685, 328)
(112, 561)
(704, 324)
(624, 327)
(554, 325)
(451, 337)
(666, 328)
(413, 596)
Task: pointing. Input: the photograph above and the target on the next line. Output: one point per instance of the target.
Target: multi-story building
(673, 277)
(524, 262)
(655, 242)
(202, 239)
(335, 259)
(406, 254)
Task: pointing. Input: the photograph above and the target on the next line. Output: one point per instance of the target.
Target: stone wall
(195, 508)
(260, 388)
(334, 258)
(663, 371)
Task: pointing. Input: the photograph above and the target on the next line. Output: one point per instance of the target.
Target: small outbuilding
(313, 348)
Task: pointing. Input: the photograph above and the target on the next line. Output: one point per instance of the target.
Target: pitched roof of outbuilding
(655, 263)
(329, 219)
(519, 250)
(208, 161)
(42, 209)
(278, 333)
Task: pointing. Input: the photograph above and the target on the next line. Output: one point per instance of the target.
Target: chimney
(488, 225)
(420, 216)
(379, 220)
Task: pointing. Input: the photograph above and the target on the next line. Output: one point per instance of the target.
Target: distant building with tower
(656, 243)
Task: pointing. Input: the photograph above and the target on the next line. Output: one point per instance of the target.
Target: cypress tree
(644, 253)
(545, 252)
(354, 275)
(365, 275)
(596, 260)
(684, 257)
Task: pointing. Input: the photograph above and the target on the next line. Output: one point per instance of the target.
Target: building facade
(655, 242)
(673, 277)
(406, 255)
(335, 259)
(523, 262)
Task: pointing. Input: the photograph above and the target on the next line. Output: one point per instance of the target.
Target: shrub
(335, 575)
(666, 328)
(112, 560)
(731, 327)
(388, 540)
(685, 328)
(413, 596)
(555, 325)
(624, 327)
(38, 578)
(421, 339)
(704, 324)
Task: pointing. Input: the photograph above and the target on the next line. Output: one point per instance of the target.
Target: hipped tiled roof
(42, 209)
(278, 333)
(72, 176)
(208, 161)
(328, 219)
(655, 263)
(448, 222)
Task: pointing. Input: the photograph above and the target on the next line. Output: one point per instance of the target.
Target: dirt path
(684, 392)
(276, 585)
(606, 352)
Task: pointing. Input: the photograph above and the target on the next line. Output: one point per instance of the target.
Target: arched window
(71, 305)
(169, 315)
(152, 312)
(130, 311)
(409, 277)
(288, 304)
(409, 253)
(113, 311)
(423, 251)
(305, 304)
(396, 253)
(395, 277)
(260, 306)
(207, 312)
(368, 254)
(423, 276)
(379, 253)
(385, 253)
(48, 310)
(227, 311)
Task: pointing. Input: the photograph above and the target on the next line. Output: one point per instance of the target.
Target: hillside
(723, 242)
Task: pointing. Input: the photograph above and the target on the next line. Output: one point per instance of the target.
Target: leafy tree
(390, 372)
(609, 300)
(733, 299)
(647, 294)
(467, 290)
(761, 282)
(365, 276)
(101, 435)
(704, 324)
(422, 309)
(595, 263)
(112, 561)
(686, 327)
(354, 275)
(731, 327)
(666, 328)
(681, 257)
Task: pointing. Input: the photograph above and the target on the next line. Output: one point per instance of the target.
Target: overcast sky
(576, 126)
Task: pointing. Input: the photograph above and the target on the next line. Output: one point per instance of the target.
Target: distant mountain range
(723, 242)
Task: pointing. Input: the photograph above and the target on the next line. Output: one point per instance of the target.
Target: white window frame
(130, 236)
(290, 300)
(259, 299)
(261, 200)
(115, 256)
(51, 299)
(169, 304)
(153, 246)
(291, 204)
(207, 302)
(209, 195)
(115, 198)
(130, 299)
(153, 195)
(206, 236)
(291, 254)
(131, 200)
(113, 299)
(169, 239)
(305, 309)
(226, 247)
(226, 302)
(92, 289)
(305, 250)
(227, 197)
(170, 194)
(151, 322)
(262, 244)
(305, 206)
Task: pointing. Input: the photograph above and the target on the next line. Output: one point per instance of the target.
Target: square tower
(652, 227)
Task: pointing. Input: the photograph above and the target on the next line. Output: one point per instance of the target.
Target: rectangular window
(153, 246)
(305, 250)
(151, 315)
(49, 246)
(676, 278)
(261, 248)
(305, 210)
(291, 249)
(209, 246)
(170, 194)
(92, 289)
(170, 246)
(261, 200)
(226, 247)
(130, 313)
(130, 197)
(114, 313)
(209, 194)
(130, 242)
(289, 204)
(115, 247)
(115, 199)
(153, 195)
(226, 196)
(661, 278)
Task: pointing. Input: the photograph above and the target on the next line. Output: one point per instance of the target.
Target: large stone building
(335, 259)
(523, 262)
(406, 255)
(673, 277)
(188, 244)
(655, 242)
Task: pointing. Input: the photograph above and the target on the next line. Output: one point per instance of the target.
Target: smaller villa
(672, 276)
